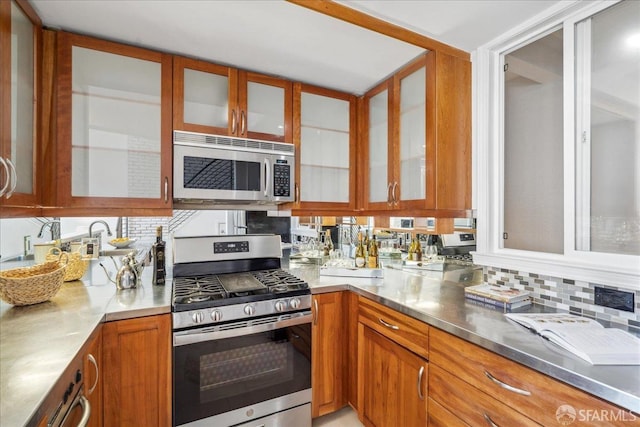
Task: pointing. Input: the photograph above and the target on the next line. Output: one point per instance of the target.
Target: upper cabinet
(20, 42)
(325, 140)
(215, 99)
(113, 127)
(415, 142)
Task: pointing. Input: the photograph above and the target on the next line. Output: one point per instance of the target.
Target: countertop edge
(586, 384)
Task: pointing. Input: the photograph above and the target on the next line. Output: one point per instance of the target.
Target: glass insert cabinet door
(325, 148)
(379, 181)
(206, 98)
(608, 131)
(413, 98)
(116, 125)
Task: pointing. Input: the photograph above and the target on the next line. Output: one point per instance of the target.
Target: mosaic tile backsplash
(564, 294)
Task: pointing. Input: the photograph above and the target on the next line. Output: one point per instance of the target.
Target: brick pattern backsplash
(564, 294)
(140, 227)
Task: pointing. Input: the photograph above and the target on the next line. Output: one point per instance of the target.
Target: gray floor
(345, 417)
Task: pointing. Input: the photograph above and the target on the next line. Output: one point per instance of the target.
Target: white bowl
(123, 243)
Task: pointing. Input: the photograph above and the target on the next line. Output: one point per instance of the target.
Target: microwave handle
(267, 176)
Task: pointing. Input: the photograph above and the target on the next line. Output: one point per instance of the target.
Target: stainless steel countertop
(38, 342)
(437, 298)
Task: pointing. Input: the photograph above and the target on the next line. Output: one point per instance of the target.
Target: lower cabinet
(137, 372)
(93, 377)
(328, 361)
(480, 387)
(393, 390)
(392, 367)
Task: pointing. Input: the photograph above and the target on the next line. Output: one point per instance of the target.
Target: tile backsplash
(564, 294)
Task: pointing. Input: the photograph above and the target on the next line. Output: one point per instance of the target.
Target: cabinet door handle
(388, 325)
(420, 374)
(166, 189)
(506, 386)
(243, 122)
(234, 123)
(489, 421)
(14, 178)
(7, 178)
(315, 312)
(389, 201)
(296, 195)
(393, 193)
(95, 364)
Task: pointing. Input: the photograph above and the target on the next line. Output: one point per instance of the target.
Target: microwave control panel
(281, 180)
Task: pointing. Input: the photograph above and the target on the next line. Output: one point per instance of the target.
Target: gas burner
(278, 288)
(197, 298)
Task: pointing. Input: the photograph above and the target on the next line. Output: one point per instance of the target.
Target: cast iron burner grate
(188, 290)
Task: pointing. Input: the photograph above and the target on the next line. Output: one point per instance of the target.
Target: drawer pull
(388, 325)
(489, 421)
(507, 386)
(420, 373)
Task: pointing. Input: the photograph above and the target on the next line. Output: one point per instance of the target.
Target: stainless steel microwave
(210, 169)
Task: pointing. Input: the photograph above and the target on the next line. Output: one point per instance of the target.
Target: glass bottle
(373, 259)
(158, 253)
(411, 254)
(360, 253)
(418, 255)
(328, 243)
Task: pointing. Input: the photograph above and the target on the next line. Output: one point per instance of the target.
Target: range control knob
(197, 317)
(216, 315)
(294, 303)
(281, 305)
(249, 310)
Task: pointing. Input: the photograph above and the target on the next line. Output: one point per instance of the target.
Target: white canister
(40, 251)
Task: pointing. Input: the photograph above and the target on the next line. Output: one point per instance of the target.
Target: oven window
(214, 377)
(221, 174)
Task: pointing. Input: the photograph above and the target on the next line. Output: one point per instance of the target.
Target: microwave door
(203, 173)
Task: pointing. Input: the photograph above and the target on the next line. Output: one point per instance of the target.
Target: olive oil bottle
(360, 253)
(158, 254)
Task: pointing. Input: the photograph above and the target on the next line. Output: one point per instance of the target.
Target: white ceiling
(280, 38)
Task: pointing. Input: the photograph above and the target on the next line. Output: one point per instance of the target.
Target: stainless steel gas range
(241, 334)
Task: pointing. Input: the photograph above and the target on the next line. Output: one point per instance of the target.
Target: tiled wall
(564, 294)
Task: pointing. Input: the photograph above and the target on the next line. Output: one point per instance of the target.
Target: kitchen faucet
(102, 222)
(54, 227)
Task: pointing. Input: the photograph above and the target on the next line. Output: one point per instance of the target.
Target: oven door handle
(206, 334)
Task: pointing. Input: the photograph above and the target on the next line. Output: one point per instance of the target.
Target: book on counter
(493, 303)
(501, 296)
(584, 337)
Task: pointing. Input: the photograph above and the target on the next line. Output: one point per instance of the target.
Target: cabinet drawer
(470, 404)
(531, 393)
(404, 330)
(441, 417)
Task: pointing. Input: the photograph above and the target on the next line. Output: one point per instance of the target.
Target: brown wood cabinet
(20, 89)
(472, 382)
(328, 361)
(137, 372)
(220, 100)
(392, 382)
(112, 128)
(392, 367)
(415, 141)
(92, 367)
(324, 123)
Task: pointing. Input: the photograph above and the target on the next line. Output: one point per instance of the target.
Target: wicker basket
(32, 285)
(76, 265)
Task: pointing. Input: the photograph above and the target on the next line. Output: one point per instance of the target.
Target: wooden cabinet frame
(447, 140)
(20, 204)
(237, 96)
(324, 208)
(59, 173)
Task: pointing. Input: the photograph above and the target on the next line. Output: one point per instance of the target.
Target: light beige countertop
(437, 298)
(37, 342)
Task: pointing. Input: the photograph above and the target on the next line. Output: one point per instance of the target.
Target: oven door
(205, 173)
(229, 374)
